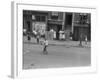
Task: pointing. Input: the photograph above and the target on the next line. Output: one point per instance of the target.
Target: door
(76, 34)
(28, 26)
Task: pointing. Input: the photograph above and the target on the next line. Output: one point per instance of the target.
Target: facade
(70, 23)
(60, 21)
(35, 20)
(81, 26)
(55, 22)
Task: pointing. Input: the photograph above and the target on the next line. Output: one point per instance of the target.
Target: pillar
(73, 16)
(63, 23)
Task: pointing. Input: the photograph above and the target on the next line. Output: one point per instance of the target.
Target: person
(51, 34)
(62, 35)
(85, 39)
(37, 37)
(28, 36)
(54, 36)
(71, 35)
(45, 46)
(34, 33)
(24, 31)
(80, 36)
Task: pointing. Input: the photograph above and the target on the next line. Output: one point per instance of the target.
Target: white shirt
(46, 42)
(34, 32)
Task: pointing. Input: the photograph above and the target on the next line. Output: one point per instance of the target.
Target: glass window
(37, 18)
(42, 18)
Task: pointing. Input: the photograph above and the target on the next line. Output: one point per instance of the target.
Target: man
(45, 47)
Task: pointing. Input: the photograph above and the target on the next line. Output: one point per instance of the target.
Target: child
(45, 47)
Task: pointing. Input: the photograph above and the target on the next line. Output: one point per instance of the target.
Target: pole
(63, 23)
(73, 15)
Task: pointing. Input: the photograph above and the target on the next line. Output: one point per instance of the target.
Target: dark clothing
(45, 47)
(37, 40)
(45, 50)
(29, 38)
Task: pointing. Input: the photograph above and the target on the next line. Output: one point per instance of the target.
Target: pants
(45, 50)
(37, 40)
(29, 38)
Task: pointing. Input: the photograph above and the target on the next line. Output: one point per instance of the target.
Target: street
(60, 55)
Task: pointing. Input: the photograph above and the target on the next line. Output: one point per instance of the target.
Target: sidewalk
(60, 43)
(69, 43)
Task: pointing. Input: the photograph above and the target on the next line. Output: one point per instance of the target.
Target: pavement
(60, 54)
(67, 43)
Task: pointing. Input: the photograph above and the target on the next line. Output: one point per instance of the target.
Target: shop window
(37, 18)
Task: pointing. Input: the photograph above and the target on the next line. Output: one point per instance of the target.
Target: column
(63, 23)
(73, 15)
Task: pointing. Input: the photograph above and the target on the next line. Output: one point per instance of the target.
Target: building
(55, 22)
(81, 25)
(69, 22)
(34, 20)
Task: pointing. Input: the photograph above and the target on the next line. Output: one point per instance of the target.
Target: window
(37, 18)
(41, 18)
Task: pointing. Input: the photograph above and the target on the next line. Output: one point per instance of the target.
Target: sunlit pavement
(60, 54)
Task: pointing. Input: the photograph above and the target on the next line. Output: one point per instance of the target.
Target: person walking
(45, 45)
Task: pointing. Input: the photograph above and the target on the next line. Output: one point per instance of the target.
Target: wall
(5, 39)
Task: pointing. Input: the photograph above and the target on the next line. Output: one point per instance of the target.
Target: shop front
(82, 26)
(81, 30)
(35, 21)
(56, 27)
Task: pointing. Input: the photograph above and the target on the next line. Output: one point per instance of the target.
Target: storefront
(35, 21)
(82, 26)
(70, 23)
(56, 28)
(83, 30)
(55, 22)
